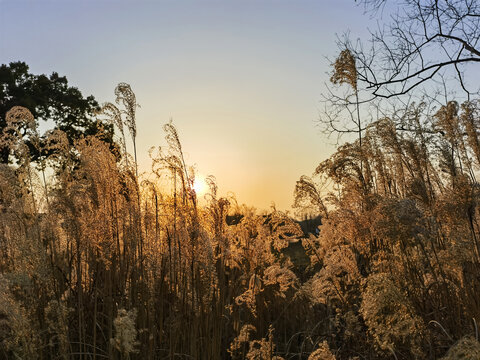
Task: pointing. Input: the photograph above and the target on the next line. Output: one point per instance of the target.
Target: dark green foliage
(49, 98)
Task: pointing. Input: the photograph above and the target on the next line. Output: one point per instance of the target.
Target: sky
(242, 80)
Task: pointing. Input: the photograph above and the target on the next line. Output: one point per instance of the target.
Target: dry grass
(97, 262)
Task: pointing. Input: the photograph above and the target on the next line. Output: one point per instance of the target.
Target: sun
(199, 185)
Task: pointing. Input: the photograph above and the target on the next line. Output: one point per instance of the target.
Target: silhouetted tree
(49, 98)
(423, 39)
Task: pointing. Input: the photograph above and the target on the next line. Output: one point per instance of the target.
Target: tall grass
(97, 262)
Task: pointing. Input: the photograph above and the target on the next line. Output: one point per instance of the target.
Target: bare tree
(424, 40)
(424, 52)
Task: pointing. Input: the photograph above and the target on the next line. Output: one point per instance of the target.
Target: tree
(49, 98)
(425, 41)
(424, 51)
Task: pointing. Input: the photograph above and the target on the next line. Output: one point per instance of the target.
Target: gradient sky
(242, 80)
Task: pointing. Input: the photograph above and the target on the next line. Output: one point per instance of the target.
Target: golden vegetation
(97, 262)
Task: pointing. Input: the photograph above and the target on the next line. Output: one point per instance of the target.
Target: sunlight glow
(200, 186)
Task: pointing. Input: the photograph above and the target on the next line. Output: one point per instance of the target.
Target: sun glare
(200, 186)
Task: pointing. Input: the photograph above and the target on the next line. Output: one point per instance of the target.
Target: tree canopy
(49, 98)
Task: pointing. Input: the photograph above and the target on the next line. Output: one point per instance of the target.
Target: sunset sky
(242, 80)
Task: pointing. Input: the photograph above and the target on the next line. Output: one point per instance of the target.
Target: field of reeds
(97, 262)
